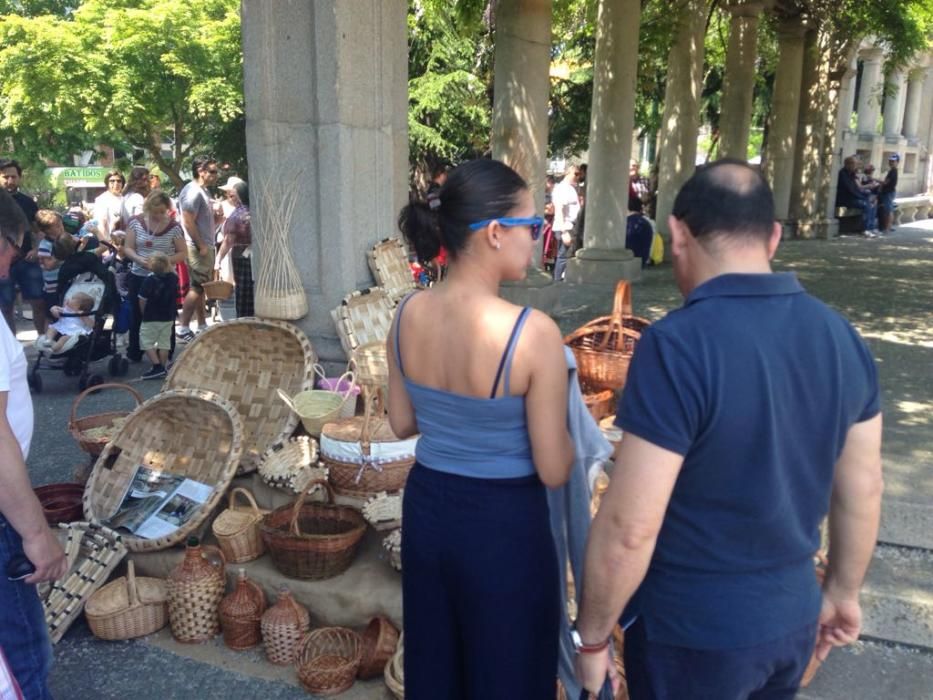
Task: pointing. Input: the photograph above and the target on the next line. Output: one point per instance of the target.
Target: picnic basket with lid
(94, 432)
(246, 361)
(284, 625)
(603, 347)
(241, 614)
(194, 434)
(128, 607)
(328, 659)
(237, 529)
(313, 540)
(195, 588)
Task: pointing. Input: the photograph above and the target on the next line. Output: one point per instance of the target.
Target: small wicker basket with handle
(128, 607)
(237, 529)
(94, 432)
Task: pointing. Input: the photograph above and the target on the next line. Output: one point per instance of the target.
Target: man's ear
(774, 241)
(679, 234)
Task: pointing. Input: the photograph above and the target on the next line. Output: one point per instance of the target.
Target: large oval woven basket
(245, 361)
(196, 434)
(604, 346)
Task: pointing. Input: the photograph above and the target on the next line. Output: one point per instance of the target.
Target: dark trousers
(480, 589)
(133, 351)
(768, 671)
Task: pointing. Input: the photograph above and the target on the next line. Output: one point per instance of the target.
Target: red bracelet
(581, 648)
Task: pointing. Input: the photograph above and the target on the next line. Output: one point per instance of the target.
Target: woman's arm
(181, 250)
(225, 246)
(129, 247)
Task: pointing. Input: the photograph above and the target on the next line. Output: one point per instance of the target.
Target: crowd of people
(129, 226)
(857, 188)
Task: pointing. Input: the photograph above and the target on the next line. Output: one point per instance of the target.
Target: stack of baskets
(128, 607)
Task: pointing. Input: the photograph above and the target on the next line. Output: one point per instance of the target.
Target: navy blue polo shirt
(756, 383)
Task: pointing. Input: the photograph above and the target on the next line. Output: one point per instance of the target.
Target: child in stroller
(82, 273)
(73, 322)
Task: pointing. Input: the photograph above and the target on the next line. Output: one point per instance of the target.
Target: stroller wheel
(35, 382)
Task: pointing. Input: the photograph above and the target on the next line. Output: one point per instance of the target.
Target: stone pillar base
(537, 290)
(818, 228)
(602, 268)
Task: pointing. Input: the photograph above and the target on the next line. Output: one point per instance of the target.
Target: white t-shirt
(107, 208)
(13, 382)
(566, 205)
(132, 205)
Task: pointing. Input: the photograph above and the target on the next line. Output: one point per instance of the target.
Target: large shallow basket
(313, 540)
(94, 432)
(380, 639)
(388, 261)
(328, 659)
(195, 434)
(128, 607)
(603, 347)
(245, 361)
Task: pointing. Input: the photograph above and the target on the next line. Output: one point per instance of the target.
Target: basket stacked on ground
(388, 261)
(328, 659)
(245, 361)
(195, 434)
(315, 407)
(237, 529)
(603, 347)
(313, 540)
(379, 642)
(128, 607)
(61, 503)
(92, 433)
(291, 464)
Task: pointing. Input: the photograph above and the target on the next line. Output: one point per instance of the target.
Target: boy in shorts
(157, 306)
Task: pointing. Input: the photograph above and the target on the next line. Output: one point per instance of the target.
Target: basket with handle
(379, 640)
(314, 407)
(328, 659)
(93, 432)
(345, 385)
(128, 607)
(237, 528)
(599, 403)
(603, 347)
(313, 540)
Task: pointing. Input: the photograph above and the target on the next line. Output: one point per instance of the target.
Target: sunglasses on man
(535, 223)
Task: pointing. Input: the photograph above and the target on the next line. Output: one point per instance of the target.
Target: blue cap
(895, 157)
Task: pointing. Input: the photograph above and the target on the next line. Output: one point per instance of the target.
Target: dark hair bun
(418, 223)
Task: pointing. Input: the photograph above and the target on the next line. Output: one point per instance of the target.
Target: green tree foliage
(128, 73)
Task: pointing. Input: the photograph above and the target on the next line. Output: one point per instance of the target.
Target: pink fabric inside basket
(337, 384)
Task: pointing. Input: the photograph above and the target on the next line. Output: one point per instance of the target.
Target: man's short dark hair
(201, 162)
(10, 163)
(726, 198)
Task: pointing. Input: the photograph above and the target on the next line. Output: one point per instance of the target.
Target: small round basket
(94, 432)
(315, 407)
(128, 607)
(328, 659)
(218, 289)
(395, 671)
(379, 639)
(237, 529)
(61, 503)
(292, 464)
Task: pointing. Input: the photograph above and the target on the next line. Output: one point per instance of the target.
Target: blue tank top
(470, 436)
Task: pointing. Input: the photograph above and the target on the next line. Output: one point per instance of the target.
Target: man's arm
(621, 543)
(19, 505)
(190, 221)
(854, 515)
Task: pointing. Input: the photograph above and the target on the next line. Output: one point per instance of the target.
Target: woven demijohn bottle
(241, 614)
(195, 588)
(283, 627)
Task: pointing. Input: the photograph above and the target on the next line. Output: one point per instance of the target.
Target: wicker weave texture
(379, 642)
(79, 427)
(328, 660)
(194, 595)
(192, 433)
(363, 317)
(388, 261)
(237, 529)
(241, 613)
(394, 671)
(128, 607)
(284, 625)
(245, 361)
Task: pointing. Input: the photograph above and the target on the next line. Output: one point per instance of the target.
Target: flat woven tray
(292, 464)
(388, 261)
(363, 317)
(245, 361)
(196, 434)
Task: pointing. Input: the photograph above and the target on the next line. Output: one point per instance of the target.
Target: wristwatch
(580, 648)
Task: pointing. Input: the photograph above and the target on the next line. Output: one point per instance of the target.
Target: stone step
(897, 598)
(906, 524)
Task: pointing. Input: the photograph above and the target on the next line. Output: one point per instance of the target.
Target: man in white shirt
(566, 210)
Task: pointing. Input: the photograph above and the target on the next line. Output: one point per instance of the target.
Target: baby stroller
(84, 272)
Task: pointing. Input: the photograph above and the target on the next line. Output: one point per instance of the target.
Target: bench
(907, 209)
(850, 220)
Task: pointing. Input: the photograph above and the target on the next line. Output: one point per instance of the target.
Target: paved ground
(884, 286)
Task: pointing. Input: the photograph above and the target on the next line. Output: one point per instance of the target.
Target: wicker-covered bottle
(241, 613)
(283, 627)
(195, 588)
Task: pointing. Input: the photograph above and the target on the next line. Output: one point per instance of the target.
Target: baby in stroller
(74, 321)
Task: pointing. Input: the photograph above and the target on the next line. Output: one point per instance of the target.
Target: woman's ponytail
(419, 224)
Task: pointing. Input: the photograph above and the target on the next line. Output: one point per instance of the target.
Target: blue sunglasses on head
(535, 223)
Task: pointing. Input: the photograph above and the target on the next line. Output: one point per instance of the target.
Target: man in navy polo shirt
(748, 413)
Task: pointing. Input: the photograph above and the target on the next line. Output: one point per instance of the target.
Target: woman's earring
(497, 245)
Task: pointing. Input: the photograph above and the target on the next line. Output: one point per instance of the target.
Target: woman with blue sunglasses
(485, 384)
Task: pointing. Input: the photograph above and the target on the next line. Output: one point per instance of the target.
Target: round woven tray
(292, 464)
(328, 659)
(245, 361)
(92, 433)
(192, 433)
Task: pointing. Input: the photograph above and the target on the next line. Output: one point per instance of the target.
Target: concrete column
(914, 101)
(893, 102)
(870, 92)
(677, 147)
(520, 89)
(735, 119)
(847, 96)
(785, 108)
(604, 258)
(841, 98)
(326, 88)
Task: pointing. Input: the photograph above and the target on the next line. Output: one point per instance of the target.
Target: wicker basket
(192, 433)
(388, 261)
(313, 541)
(379, 639)
(94, 432)
(384, 511)
(393, 546)
(245, 361)
(328, 660)
(599, 403)
(128, 607)
(292, 464)
(284, 625)
(61, 503)
(237, 529)
(218, 289)
(363, 317)
(371, 364)
(315, 408)
(603, 347)
(395, 671)
(345, 385)
(93, 553)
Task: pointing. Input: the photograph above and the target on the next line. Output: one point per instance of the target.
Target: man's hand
(46, 554)
(566, 238)
(202, 249)
(32, 255)
(840, 623)
(592, 670)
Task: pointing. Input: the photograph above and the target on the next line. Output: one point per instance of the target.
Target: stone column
(735, 119)
(520, 89)
(812, 123)
(914, 101)
(604, 258)
(870, 91)
(847, 96)
(833, 146)
(677, 147)
(893, 102)
(785, 108)
(326, 89)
